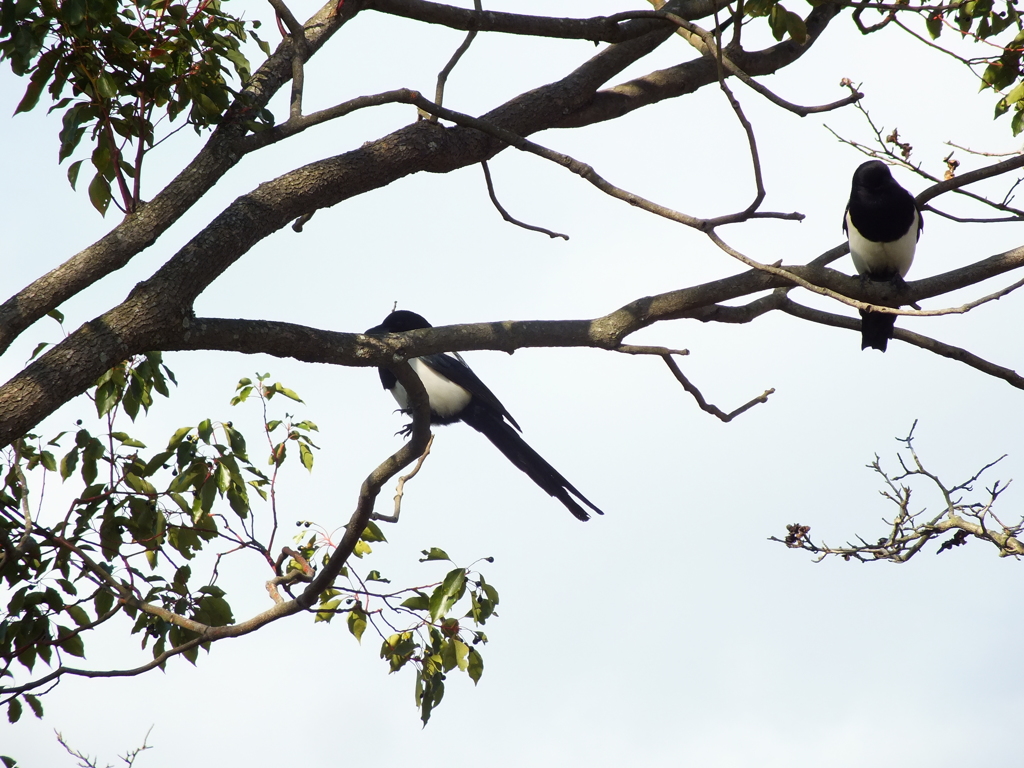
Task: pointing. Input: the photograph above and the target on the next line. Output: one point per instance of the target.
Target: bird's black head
(874, 174)
(400, 321)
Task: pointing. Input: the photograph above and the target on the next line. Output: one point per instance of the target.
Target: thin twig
(299, 54)
(980, 153)
(442, 76)
(940, 348)
(634, 349)
(505, 214)
(704, 404)
(587, 172)
(704, 42)
(400, 487)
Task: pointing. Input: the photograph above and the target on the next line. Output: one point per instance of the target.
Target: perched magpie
(456, 394)
(883, 225)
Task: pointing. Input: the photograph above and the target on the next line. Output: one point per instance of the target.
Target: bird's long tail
(508, 441)
(876, 329)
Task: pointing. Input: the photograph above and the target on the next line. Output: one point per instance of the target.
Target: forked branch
(909, 530)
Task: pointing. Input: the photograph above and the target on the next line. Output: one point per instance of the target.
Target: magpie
(883, 225)
(455, 393)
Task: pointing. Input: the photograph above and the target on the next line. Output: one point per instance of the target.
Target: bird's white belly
(446, 397)
(871, 258)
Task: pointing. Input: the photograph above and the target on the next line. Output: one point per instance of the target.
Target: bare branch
(596, 28)
(704, 404)
(442, 76)
(505, 214)
(940, 348)
(633, 349)
(400, 487)
(588, 173)
(940, 186)
(910, 531)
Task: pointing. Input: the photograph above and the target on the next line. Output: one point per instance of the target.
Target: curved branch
(595, 29)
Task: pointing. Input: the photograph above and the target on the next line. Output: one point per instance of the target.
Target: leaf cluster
(990, 24)
(115, 69)
(129, 544)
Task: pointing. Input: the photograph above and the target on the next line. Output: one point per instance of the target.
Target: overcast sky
(670, 631)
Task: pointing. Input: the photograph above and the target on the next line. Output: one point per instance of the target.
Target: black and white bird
(883, 225)
(456, 393)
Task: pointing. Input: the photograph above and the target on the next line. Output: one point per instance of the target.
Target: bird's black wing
(456, 371)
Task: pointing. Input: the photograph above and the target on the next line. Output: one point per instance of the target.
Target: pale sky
(669, 632)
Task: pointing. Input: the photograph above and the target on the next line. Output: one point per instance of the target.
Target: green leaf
(326, 612)
(73, 12)
(222, 476)
(214, 611)
(461, 653)
(361, 548)
(71, 643)
(777, 21)
(448, 593)
(177, 437)
(418, 602)
(73, 170)
(372, 532)
(357, 622)
(492, 593)
(236, 441)
(106, 85)
(796, 27)
(434, 553)
(475, 665)
(78, 615)
(139, 485)
(99, 195)
(125, 439)
(239, 500)
(279, 387)
(156, 463)
(39, 348)
(56, 314)
(1017, 124)
(42, 74)
(208, 494)
(997, 76)
(13, 711)
(9, 762)
(306, 456)
(47, 460)
(934, 25)
(35, 704)
(104, 601)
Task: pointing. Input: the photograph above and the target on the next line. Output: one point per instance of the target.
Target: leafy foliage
(132, 543)
(115, 69)
(1000, 29)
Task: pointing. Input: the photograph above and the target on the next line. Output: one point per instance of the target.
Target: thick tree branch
(595, 29)
(146, 321)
